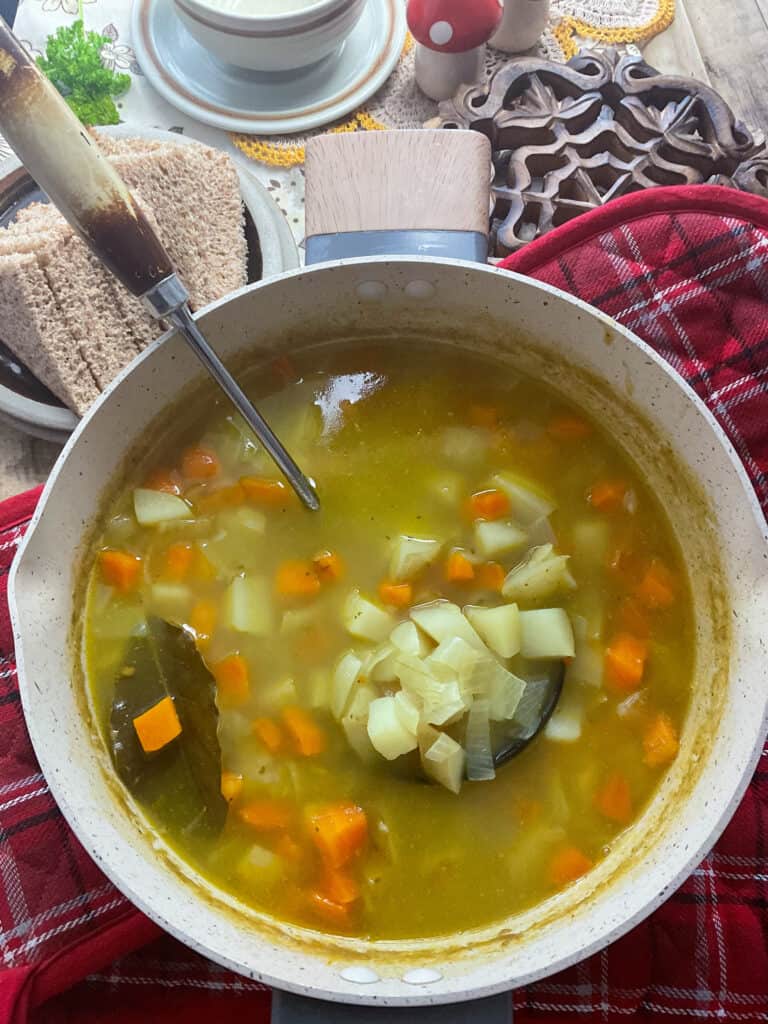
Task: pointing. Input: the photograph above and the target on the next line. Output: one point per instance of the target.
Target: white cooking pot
(649, 411)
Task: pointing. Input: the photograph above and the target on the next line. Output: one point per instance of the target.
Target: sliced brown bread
(204, 237)
(112, 145)
(34, 328)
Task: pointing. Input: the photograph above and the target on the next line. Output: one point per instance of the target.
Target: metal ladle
(65, 162)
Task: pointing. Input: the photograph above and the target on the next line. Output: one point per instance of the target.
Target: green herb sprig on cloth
(72, 61)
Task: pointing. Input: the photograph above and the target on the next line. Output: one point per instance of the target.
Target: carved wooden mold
(570, 137)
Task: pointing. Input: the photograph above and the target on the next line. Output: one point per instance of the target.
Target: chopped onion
(478, 743)
(355, 722)
(587, 664)
(539, 575)
(529, 503)
(443, 621)
(345, 676)
(248, 606)
(546, 633)
(380, 666)
(386, 730)
(504, 694)
(407, 711)
(412, 554)
(444, 704)
(458, 655)
(318, 689)
(540, 532)
(408, 639)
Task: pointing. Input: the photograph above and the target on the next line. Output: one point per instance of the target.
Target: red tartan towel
(687, 269)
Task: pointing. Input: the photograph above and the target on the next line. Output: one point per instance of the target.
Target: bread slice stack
(66, 318)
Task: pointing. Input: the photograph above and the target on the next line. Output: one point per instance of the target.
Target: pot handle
(65, 161)
(398, 193)
(291, 1009)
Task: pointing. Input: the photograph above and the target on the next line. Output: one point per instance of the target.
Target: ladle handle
(65, 162)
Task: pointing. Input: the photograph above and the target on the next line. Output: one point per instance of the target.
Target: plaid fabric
(687, 269)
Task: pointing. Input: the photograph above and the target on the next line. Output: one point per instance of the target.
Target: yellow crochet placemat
(399, 104)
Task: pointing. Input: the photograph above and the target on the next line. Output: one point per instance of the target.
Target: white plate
(24, 403)
(266, 103)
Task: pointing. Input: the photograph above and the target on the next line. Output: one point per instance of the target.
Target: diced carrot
(297, 579)
(607, 495)
(168, 480)
(287, 848)
(458, 568)
(269, 734)
(120, 569)
(491, 504)
(631, 617)
(625, 662)
(491, 576)
(201, 570)
(567, 865)
(264, 491)
(568, 427)
(334, 913)
(178, 560)
(339, 831)
(483, 416)
(202, 620)
(267, 815)
(200, 463)
(231, 786)
(231, 675)
(614, 800)
(657, 587)
(307, 736)
(341, 888)
(328, 566)
(157, 726)
(660, 742)
(223, 497)
(399, 595)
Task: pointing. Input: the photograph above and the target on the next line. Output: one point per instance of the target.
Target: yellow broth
(369, 424)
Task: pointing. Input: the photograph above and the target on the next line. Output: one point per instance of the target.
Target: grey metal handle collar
(290, 1009)
(458, 245)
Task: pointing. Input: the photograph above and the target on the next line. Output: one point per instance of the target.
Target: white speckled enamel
(725, 728)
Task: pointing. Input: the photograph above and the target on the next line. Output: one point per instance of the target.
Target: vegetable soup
(307, 705)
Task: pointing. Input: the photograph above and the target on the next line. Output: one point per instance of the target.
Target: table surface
(723, 42)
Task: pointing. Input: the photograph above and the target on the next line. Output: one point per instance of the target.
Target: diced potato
(409, 639)
(445, 762)
(494, 539)
(245, 518)
(247, 606)
(410, 555)
(171, 601)
(153, 507)
(355, 722)
(318, 689)
(365, 620)
(529, 502)
(591, 539)
(587, 665)
(260, 868)
(458, 655)
(407, 711)
(280, 694)
(443, 620)
(546, 633)
(386, 730)
(565, 724)
(465, 445)
(381, 666)
(298, 618)
(345, 676)
(540, 574)
(498, 627)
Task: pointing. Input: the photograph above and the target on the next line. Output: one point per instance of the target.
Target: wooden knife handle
(65, 162)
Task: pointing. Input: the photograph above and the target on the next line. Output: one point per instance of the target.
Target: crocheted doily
(400, 104)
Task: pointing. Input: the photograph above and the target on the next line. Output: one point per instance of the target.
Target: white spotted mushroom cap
(453, 26)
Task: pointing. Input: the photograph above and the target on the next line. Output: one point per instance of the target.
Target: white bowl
(271, 42)
(650, 412)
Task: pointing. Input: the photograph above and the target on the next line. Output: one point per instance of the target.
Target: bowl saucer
(266, 103)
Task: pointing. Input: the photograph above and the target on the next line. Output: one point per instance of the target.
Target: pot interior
(662, 427)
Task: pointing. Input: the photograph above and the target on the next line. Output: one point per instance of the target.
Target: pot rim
(452, 989)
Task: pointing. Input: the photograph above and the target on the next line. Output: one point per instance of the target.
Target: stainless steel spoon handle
(64, 160)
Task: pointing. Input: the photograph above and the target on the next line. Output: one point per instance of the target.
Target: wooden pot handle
(397, 193)
(65, 162)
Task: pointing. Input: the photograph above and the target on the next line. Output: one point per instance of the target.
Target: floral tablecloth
(277, 162)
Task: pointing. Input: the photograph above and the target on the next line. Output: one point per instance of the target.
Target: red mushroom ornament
(451, 36)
